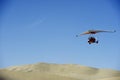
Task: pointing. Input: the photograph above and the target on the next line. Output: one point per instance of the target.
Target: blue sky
(35, 31)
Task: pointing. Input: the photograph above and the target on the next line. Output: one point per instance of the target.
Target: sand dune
(45, 71)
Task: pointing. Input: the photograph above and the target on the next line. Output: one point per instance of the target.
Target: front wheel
(89, 42)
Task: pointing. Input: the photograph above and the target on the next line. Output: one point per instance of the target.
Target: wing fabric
(95, 31)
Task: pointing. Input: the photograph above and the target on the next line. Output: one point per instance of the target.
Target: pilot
(92, 40)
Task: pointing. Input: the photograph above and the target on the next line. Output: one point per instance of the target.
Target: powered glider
(91, 38)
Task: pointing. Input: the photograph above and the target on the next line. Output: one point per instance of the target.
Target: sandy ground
(45, 71)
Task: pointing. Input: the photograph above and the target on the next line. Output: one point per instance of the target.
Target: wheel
(97, 42)
(89, 42)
